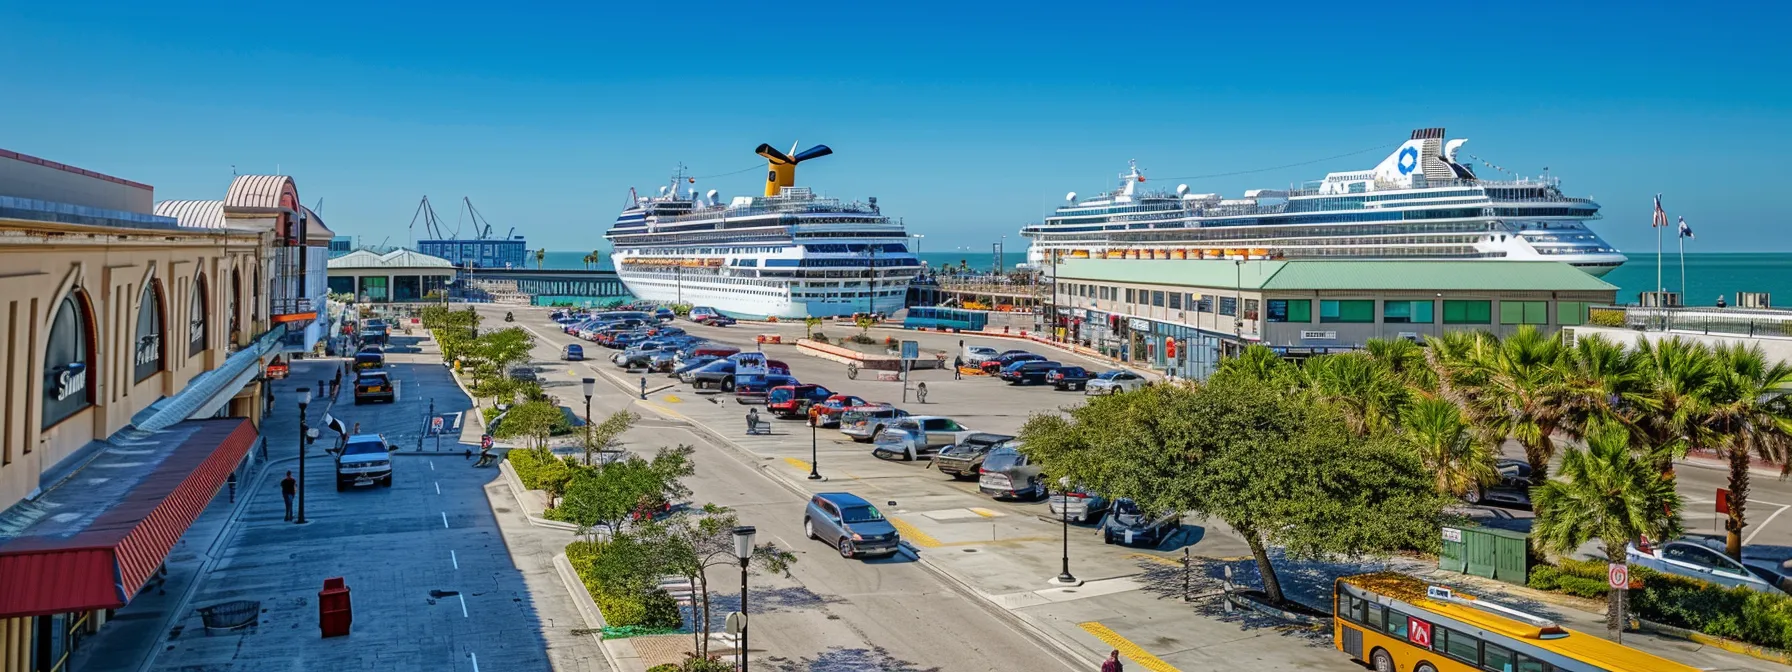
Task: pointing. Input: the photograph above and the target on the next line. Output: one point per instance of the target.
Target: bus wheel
(1381, 661)
(1424, 667)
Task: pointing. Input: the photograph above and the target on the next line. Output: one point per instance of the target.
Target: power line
(737, 172)
(1291, 165)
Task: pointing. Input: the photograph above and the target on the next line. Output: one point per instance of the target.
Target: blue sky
(966, 119)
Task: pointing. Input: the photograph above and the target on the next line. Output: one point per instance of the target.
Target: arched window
(236, 295)
(198, 310)
(148, 357)
(67, 360)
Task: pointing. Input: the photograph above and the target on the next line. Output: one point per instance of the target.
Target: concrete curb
(516, 492)
(1768, 654)
(625, 660)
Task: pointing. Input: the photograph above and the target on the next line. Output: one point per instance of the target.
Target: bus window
(1396, 624)
(1354, 608)
(1457, 645)
(1529, 664)
(1496, 658)
(1374, 619)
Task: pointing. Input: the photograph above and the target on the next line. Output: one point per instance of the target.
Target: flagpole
(1660, 285)
(1684, 295)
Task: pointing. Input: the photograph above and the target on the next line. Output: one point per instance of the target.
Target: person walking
(957, 365)
(289, 488)
(357, 429)
(1112, 664)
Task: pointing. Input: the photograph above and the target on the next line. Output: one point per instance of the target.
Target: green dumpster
(1502, 555)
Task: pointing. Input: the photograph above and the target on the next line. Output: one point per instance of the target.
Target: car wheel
(1473, 496)
(1381, 661)
(727, 384)
(845, 547)
(387, 483)
(1107, 538)
(340, 487)
(809, 528)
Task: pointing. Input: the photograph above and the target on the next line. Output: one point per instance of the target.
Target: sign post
(1617, 577)
(910, 351)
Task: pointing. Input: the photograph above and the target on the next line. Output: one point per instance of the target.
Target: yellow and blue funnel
(781, 170)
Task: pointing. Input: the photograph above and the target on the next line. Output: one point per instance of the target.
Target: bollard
(232, 481)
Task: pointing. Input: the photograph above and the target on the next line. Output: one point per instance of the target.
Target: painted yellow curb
(801, 465)
(913, 534)
(1126, 647)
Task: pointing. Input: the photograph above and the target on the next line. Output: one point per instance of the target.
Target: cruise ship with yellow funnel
(787, 253)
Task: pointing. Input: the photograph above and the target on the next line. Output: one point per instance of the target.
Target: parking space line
(1126, 647)
(913, 534)
(463, 605)
(1763, 524)
(444, 520)
(455, 559)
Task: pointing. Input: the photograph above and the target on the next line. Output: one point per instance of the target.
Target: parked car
(664, 330)
(523, 373)
(1009, 474)
(374, 386)
(1694, 559)
(1130, 525)
(572, 352)
(364, 459)
(701, 314)
(677, 371)
(712, 350)
(864, 423)
(919, 435)
(851, 524)
(1114, 382)
(1081, 504)
(792, 401)
(1028, 373)
(720, 321)
(1513, 488)
(827, 412)
(965, 458)
(1069, 378)
(756, 389)
(627, 339)
(664, 314)
(976, 355)
(367, 361)
(718, 374)
(996, 365)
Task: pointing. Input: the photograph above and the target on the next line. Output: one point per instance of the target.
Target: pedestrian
(1112, 664)
(957, 364)
(357, 429)
(289, 488)
(752, 421)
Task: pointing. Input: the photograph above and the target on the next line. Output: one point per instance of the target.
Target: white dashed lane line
(455, 559)
(444, 520)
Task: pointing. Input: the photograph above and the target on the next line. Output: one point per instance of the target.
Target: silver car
(1083, 505)
(919, 435)
(1693, 559)
(976, 355)
(1114, 382)
(864, 423)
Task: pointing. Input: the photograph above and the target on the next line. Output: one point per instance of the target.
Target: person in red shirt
(1112, 664)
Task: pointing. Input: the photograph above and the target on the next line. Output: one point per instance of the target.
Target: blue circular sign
(1409, 160)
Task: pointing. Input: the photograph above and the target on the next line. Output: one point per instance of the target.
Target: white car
(1114, 382)
(1696, 560)
(976, 355)
(364, 459)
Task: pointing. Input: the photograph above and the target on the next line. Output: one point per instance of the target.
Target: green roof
(1346, 275)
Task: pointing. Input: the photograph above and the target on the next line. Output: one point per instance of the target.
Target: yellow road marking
(1126, 647)
(1156, 558)
(986, 513)
(800, 465)
(1011, 541)
(673, 398)
(913, 534)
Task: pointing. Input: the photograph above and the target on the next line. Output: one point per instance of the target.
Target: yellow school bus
(1397, 623)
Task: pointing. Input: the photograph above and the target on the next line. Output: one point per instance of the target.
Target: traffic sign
(911, 349)
(485, 441)
(735, 623)
(435, 425)
(1617, 575)
(1418, 632)
(1723, 501)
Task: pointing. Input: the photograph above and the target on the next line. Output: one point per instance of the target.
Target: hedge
(1762, 619)
(528, 464)
(617, 574)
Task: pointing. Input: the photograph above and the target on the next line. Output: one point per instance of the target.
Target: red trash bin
(334, 611)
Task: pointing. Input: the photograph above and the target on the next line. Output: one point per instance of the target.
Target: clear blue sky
(967, 119)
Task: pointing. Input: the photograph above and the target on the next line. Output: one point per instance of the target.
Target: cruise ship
(787, 254)
(1421, 202)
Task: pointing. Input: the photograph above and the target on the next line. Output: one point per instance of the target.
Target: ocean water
(1708, 275)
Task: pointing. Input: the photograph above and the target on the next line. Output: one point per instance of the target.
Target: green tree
(1260, 363)
(1370, 395)
(607, 495)
(1678, 377)
(1606, 381)
(689, 544)
(533, 422)
(541, 255)
(1518, 388)
(603, 436)
(864, 323)
(1749, 414)
(1444, 442)
(810, 324)
(1609, 493)
(505, 347)
(1405, 359)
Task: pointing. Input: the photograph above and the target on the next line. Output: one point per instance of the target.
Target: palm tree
(1405, 359)
(1678, 375)
(1606, 382)
(1370, 395)
(1749, 414)
(1518, 388)
(1436, 430)
(596, 258)
(540, 256)
(1257, 362)
(1606, 493)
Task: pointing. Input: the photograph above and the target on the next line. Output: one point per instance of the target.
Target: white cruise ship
(1419, 203)
(788, 253)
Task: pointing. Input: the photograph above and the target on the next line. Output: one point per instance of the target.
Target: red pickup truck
(827, 413)
(792, 401)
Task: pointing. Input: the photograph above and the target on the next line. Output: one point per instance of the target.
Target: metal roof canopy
(94, 539)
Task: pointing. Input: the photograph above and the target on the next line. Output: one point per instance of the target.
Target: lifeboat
(1259, 253)
(1079, 254)
(1178, 254)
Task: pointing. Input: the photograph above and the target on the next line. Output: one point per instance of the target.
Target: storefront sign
(1137, 324)
(148, 355)
(196, 305)
(65, 363)
(1318, 335)
(72, 381)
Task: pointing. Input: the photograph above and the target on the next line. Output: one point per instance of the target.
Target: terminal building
(480, 252)
(135, 341)
(397, 276)
(1183, 316)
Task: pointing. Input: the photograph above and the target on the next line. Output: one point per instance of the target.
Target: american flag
(1685, 231)
(1661, 216)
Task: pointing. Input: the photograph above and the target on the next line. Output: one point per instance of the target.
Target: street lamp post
(590, 385)
(304, 400)
(814, 474)
(743, 549)
(1064, 576)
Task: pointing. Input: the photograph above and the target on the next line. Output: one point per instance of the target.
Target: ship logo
(1409, 160)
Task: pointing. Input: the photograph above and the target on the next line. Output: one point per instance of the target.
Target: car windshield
(363, 448)
(860, 514)
(369, 357)
(1001, 460)
(1108, 375)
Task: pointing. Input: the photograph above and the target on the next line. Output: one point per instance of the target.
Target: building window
(147, 349)
(1468, 312)
(1524, 312)
(67, 361)
(1290, 310)
(1204, 304)
(1407, 312)
(1347, 311)
(198, 306)
(1129, 297)
(1157, 299)
(1175, 300)
(1228, 305)
(1571, 313)
(1250, 309)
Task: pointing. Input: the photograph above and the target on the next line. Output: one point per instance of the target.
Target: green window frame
(1461, 311)
(1291, 310)
(1524, 312)
(1571, 313)
(1407, 312)
(1354, 310)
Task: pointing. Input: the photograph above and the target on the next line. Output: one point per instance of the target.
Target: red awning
(100, 561)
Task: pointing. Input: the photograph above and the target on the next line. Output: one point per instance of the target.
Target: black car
(1513, 488)
(664, 314)
(1003, 360)
(965, 458)
(1069, 378)
(1028, 373)
(374, 386)
(1129, 525)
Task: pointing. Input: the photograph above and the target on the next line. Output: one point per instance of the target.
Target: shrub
(818, 337)
(1763, 619)
(619, 576)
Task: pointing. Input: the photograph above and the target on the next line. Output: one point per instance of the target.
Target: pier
(546, 282)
